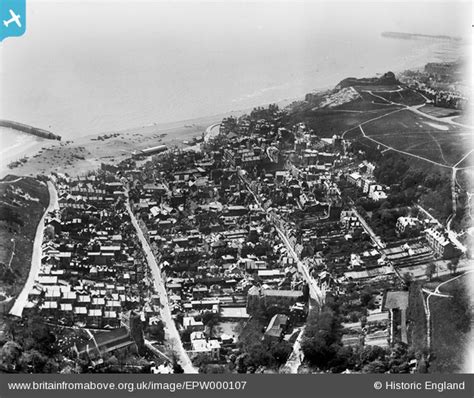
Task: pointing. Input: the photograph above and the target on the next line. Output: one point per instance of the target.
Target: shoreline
(86, 153)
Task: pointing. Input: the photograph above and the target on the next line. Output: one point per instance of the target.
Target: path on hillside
(371, 120)
(11, 181)
(415, 109)
(172, 336)
(400, 151)
(452, 235)
(426, 303)
(35, 266)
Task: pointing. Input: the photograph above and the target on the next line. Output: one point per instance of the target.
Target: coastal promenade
(22, 298)
(212, 131)
(172, 335)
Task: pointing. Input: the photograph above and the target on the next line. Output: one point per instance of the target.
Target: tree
(376, 366)
(177, 368)
(321, 339)
(157, 331)
(280, 352)
(372, 353)
(9, 354)
(430, 270)
(241, 363)
(210, 319)
(32, 361)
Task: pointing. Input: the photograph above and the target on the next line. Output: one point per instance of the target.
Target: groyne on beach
(29, 129)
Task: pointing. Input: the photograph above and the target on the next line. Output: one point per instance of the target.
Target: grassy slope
(450, 328)
(22, 205)
(402, 130)
(416, 318)
(411, 133)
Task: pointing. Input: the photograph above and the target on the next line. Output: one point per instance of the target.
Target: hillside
(390, 122)
(22, 204)
(388, 79)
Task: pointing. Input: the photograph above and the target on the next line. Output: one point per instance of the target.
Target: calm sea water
(89, 67)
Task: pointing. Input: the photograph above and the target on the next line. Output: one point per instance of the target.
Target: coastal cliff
(343, 92)
(387, 79)
(29, 130)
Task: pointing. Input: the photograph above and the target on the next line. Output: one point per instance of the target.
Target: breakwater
(29, 130)
(414, 36)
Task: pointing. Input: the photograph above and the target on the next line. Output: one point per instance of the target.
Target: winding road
(415, 109)
(22, 298)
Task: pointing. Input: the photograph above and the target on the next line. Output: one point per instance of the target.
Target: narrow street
(375, 238)
(22, 298)
(172, 336)
(315, 292)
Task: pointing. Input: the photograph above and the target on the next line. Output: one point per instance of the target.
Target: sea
(89, 67)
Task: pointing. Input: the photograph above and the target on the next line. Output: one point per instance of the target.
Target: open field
(468, 160)
(464, 119)
(408, 132)
(404, 96)
(327, 122)
(377, 87)
(366, 103)
(438, 111)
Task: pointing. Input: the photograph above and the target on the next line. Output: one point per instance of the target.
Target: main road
(172, 335)
(22, 298)
(315, 291)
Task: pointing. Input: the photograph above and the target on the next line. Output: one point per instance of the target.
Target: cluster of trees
(123, 360)
(257, 351)
(323, 349)
(432, 189)
(409, 184)
(269, 113)
(29, 347)
(321, 343)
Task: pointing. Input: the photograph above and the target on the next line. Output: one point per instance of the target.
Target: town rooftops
(438, 237)
(276, 325)
(108, 341)
(234, 313)
(355, 176)
(282, 293)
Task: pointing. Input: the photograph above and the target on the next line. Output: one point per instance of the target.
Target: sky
(136, 18)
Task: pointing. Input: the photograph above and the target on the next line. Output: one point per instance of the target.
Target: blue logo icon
(12, 18)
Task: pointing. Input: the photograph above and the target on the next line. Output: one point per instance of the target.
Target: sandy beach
(84, 154)
(76, 157)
